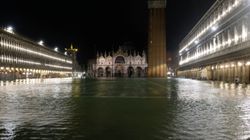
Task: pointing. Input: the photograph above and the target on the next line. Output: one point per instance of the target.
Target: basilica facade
(122, 63)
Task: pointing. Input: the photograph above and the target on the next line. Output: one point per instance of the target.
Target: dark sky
(97, 24)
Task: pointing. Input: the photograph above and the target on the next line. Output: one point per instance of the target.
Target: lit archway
(119, 71)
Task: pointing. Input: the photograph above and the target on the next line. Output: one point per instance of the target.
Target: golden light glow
(29, 51)
(214, 47)
(213, 23)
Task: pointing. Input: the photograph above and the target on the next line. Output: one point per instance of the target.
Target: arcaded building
(218, 46)
(121, 63)
(23, 58)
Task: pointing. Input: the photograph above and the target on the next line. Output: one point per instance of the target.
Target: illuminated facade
(157, 63)
(218, 46)
(23, 58)
(121, 64)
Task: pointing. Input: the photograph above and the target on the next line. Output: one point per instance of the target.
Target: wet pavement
(124, 109)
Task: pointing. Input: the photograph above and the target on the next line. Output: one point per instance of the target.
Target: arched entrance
(119, 71)
(139, 72)
(130, 71)
(100, 72)
(108, 72)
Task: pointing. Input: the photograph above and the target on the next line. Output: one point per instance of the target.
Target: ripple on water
(124, 109)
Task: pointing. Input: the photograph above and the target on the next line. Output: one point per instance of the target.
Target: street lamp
(10, 29)
(214, 28)
(196, 42)
(56, 49)
(40, 43)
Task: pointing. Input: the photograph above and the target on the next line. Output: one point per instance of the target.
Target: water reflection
(210, 109)
(34, 108)
(133, 109)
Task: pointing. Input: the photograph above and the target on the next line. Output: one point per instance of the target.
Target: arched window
(119, 60)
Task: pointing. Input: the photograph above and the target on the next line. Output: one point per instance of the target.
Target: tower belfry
(72, 52)
(157, 66)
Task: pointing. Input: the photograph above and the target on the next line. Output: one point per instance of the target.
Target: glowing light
(248, 63)
(212, 49)
(196, 41)
(56, 66)
(216, 21)
(65, 53)
(244, 33)
(236, 38)
(9, 29)
(40, 43)
(33, 63)
(56, 49)
(214, 28)
(33, 52)
(240, 64)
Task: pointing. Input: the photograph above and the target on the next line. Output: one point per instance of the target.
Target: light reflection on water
(33, 105)
(123, 109)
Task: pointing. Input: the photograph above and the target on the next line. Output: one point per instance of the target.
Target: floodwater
(123, 109)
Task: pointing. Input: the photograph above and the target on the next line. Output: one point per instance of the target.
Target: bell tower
(157, 64)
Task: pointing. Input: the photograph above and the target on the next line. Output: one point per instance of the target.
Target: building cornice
(24, 39)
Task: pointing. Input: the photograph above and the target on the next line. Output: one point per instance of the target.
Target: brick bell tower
(157, 64)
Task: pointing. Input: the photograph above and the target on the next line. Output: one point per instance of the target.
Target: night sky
(97, 25)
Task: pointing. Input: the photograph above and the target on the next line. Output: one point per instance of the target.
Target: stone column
(243, 75)
(236, 71)
(229, 74)
(247, 74)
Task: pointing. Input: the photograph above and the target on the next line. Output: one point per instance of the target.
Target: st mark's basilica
(121, 63)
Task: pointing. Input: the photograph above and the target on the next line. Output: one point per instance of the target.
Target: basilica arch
(100, 72)
(119, 66)
(108, 72)
(119, 71)
(130, 71)
(139, 72)
(119, 60)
